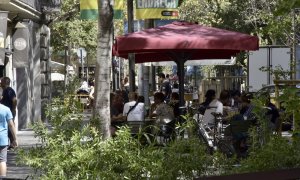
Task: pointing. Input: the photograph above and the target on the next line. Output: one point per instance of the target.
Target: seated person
(241, 123)
(163, 112)
(116, 109)
(133, 110)
(228, 110)
(272, 114)
(84, 88)
(141, 99)
(236, 98)
(214, 106)
(174, 103)
(209, 96)
(246, 107)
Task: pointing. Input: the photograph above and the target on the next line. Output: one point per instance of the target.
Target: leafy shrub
(74, 149)
(278, 153)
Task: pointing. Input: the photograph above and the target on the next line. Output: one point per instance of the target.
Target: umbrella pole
(180, 72)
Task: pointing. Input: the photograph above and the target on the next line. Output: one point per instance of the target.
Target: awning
(56, 65)
(226, 62)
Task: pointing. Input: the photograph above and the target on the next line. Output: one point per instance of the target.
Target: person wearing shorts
(6, 122)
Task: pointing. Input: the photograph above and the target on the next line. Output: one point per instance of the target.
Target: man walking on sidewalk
(8, 99)
(6, 122)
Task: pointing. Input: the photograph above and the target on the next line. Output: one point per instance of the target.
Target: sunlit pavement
(26, 139)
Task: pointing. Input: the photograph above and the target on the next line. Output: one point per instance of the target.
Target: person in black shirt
(9, 99)
(272, 114)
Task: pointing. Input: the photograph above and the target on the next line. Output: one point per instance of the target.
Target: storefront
(26, 55)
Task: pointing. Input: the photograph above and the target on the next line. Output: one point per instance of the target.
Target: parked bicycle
(213, 134)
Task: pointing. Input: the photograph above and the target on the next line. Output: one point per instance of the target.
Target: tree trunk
(101, 110)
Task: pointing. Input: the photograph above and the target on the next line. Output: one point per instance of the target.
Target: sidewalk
(25, 139)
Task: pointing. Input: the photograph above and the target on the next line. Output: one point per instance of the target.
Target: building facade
(25, 54)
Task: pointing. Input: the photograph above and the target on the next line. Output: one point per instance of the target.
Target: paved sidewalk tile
(16, 171)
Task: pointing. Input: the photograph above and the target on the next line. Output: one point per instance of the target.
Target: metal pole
(113, 74)
(149, 23)
(131, 57)
(66, 66)
(293, 63)
(180, 70)
(87, 69)
(113, 59)
(82, 68)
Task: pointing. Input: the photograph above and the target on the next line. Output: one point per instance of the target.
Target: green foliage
(69, 30)
(278, 153)
(186, 159)
(202, 12)
(269, 19)
(270, 151)
(74, 149)
(291, 102)
(278, 72)
(260, 133)
(285, 6)
(76, 33)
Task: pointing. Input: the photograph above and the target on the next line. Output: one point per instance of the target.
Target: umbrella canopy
(193, 41)
(182, 41)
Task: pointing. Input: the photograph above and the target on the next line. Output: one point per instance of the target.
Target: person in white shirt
(214, 106)
(133, 110)
(163, 112)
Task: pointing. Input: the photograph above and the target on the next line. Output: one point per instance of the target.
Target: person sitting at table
(242, 122)
(116, 109)
(246, 107)
(209, 96)
(141, 99)
(272, 113)
(133, 110)
(214, 106)
(174, 103)
(226, 100)
(236, 98)
(163, 112)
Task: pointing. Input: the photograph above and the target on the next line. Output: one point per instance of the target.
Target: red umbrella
(199, 42)
(182, 41)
